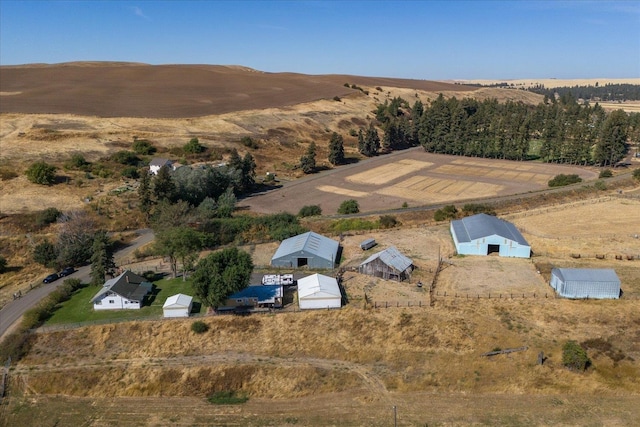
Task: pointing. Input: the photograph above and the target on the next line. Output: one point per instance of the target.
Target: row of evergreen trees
(562, 131)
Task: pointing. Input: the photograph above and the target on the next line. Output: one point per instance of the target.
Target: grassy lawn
(79, 308)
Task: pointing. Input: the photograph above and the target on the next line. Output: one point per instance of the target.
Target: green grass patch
(227, 398)
(79, 308)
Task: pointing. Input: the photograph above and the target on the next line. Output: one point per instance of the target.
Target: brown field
(413, 177)
(551, 83)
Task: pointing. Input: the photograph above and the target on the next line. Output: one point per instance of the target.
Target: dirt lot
(413, 177)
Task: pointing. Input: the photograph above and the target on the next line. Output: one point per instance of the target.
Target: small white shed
(318, 291)
(178, 305)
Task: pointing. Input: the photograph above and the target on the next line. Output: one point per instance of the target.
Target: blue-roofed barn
(595, 283)
(309, 249)
(484, 234)
(260, 296)
(388, 264)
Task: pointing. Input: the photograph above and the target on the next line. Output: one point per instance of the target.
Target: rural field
(416, 352)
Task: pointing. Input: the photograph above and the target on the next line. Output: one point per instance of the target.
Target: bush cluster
(249, 142)
(349, 207)
(562, 180)
(447, 212)
(199, 327)
(574, 356)
(310, 210)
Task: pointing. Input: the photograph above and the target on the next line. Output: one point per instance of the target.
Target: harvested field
(413, 177)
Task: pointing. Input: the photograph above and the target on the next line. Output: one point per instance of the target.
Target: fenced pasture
(413, 177)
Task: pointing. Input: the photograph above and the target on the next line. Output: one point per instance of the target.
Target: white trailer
(277, 279)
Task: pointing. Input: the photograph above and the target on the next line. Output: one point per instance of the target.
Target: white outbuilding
(178, 305)
(586, 283)
(318, 291)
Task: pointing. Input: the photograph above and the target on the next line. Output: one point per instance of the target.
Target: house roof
(264, 293)
(309, 242)
(483, 225)
(127, 285)
(586, 274)
(159, 161)
(318, 286)
(178, 301)
(391, 257)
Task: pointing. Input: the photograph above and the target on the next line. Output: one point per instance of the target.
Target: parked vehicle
(51, 278)
(67, 271)
(367, 244)
(277, 279)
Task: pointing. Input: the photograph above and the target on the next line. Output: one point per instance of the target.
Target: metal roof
(309, 242)
(264, 293)
(178, 300)
(483, 225)
(318, 286)
(586, 274)
(128, 285)
(391, 257)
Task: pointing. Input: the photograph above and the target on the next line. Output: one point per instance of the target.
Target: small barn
(484, 234)
(306, 250)
(586, 283)
(318, 292)
(388, 264)
(178, 305)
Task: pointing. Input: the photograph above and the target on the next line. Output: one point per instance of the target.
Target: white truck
(277, 279)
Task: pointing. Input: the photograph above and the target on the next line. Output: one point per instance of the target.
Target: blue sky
(430, 40)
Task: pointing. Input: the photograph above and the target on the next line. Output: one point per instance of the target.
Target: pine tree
(336, 149)
(102, 262)
(163, 186)
(308, 161)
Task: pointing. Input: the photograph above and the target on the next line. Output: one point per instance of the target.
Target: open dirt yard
(413, 177)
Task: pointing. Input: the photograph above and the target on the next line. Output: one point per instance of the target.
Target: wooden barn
(388, 264)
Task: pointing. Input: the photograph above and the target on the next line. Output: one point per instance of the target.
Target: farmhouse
(318, 291)
(585, 283)
(157, 163)
(261, 296)
(388, 264)
(126, 291)
(178, 305)
(484, 234)
(308, 249)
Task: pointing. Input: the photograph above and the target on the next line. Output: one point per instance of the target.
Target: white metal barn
(318, 291)
(484, 234)
(309, 249)
(585, 283)
(178, 305)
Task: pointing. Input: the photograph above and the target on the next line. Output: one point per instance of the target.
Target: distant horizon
(418, 40)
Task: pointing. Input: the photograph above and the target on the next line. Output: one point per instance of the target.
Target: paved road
(13, 310)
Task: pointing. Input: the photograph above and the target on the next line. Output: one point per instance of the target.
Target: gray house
(484, 234)
(389, 264)
(309, 249)
(585, 283)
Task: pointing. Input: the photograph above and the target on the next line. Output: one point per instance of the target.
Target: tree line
(607, 92)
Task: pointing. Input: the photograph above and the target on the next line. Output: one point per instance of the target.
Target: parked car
(67, 271)
(51, 278)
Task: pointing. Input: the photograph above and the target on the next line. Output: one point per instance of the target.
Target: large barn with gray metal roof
(484, 234)
(306, 250)
(389, 264)
(599, 283)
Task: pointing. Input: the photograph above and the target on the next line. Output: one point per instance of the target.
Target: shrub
(388, 221)
(194, 147)
(46, 254)
(353, 132)
(3, 264)
(347, 224)
(310, 210)
(47, 216)
(247, 141)
(349, 207)
(7, 174)
(125, 157)
(199, 327)
(130, 172)
(476, 208)
(337, 98)
(447, 212)
(16, 345)
(562, 179)
(227, 398)
(600, 185)
(41, 173)
(636, 174)
(143, 147)
(605, 173)
(77, 161)
(574, 356)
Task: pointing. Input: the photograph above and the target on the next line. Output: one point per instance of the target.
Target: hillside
(171, 91)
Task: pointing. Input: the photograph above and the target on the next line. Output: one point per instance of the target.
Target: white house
(178, 305)
(157, 163)
(127, 291)
(318, 291)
